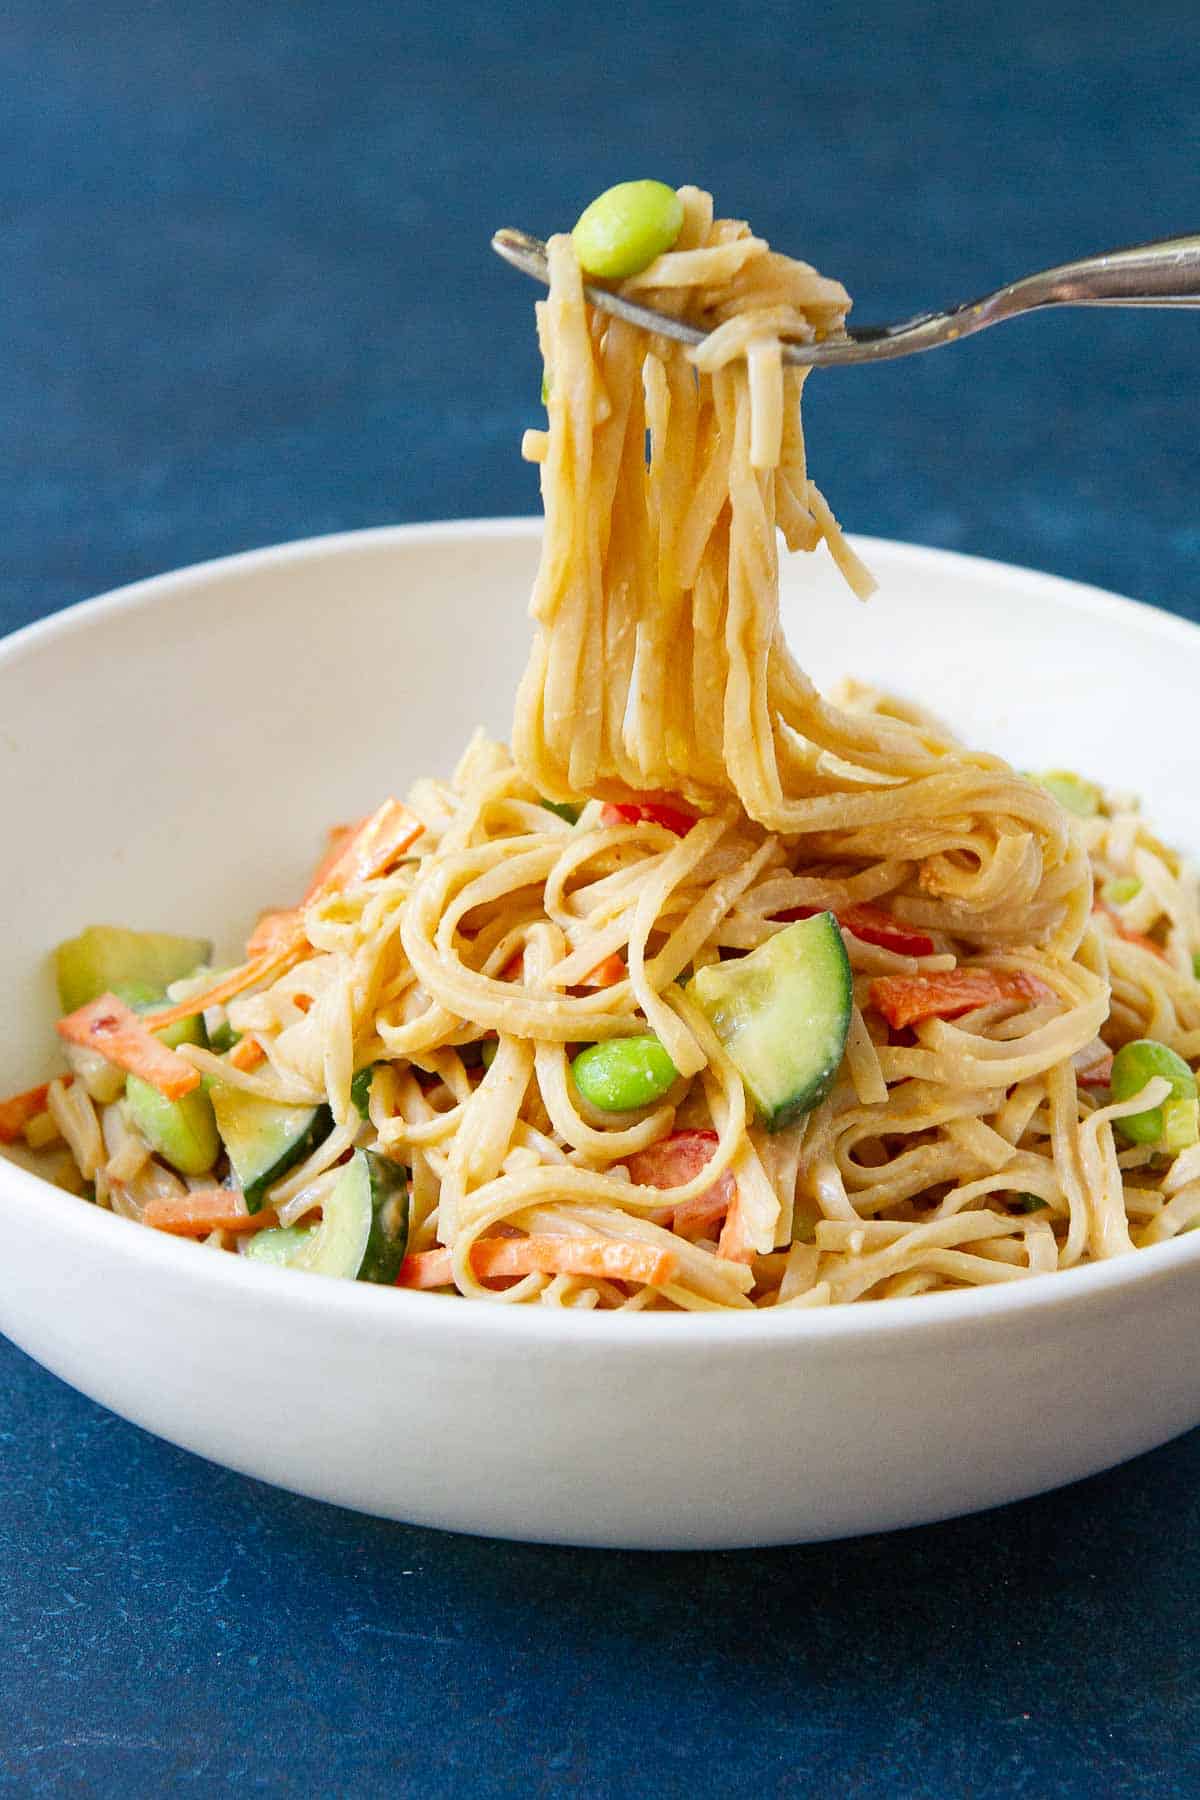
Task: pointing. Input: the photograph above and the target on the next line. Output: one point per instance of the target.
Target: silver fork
(1166, 273)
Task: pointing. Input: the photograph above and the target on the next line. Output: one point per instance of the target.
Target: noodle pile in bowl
(1001, 945)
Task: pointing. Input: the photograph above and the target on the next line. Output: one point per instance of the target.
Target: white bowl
(169, 756)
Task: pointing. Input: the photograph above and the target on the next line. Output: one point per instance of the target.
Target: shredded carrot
(115, 1031)
(371, 849)
(338, 837)
(551, 1254)
(205, 1210)
(905, 999)
(255, 973)
(18, 1109)
(733, 1244)
(276, 930)
(606, 973)
(427, 1269)
(278, 941)
(246, 1054)
(1127, 932)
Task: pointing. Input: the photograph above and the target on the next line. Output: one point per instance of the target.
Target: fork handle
(1166, 273)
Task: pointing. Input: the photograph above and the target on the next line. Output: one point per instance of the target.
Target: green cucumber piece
(105, 958)
(183, 1132)
(280, 1244)
(783, 1013)
(143, 997)
(360, 1089)
(363, 1233)
(264, 1138)
(218, 1032)
(387, 1245)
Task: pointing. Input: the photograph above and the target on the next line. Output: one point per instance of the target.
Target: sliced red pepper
(905, 999)
(1099, 1075)
(666, 812)
(676, 1160)
(873, 925)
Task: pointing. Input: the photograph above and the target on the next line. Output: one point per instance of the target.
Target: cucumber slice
(387, 1245)
(218, 1033)
(263, 1138)
(783, 1013)
(281, 1244)
(364, 1232)
(143, 997)
(360, 1090)
(183, 1132)
(105, 958)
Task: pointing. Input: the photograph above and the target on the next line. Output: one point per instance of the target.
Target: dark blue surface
(246, 295)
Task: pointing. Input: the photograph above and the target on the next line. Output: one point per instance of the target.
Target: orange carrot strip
(205, 1210)
(733, 1244)
(905, 999)
(338, 838)
(278, 941)
(606, 973)
(370, 850)
(551, 1254)
(246, 1054)
(115, 1031)
(427, 1269)
(256, 972)
(18, 1109)
(276, 930)
(1128, 933)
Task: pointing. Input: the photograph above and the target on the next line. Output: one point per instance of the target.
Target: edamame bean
(626, 227)
(1173, 1125)
(624, 1073)
(1072, 792)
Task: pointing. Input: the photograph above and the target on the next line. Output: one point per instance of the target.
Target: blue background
(246, 295)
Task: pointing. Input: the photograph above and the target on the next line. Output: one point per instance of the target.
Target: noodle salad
(710, 993)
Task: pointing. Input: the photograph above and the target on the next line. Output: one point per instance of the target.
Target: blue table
(246, 295)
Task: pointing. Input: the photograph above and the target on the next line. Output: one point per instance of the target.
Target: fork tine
(528, 254)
